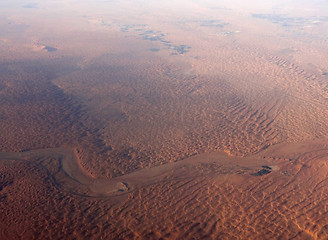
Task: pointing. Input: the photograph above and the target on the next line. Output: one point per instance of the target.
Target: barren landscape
(163, 120)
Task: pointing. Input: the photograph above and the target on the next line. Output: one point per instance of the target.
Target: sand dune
(206, 196)
(163, 120)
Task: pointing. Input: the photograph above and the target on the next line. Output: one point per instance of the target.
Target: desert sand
(207, 196)
(163, 120)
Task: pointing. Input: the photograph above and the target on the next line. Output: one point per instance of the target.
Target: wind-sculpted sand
(163, 120)
(207, 196)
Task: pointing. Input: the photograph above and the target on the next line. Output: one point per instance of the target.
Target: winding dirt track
(71, 177)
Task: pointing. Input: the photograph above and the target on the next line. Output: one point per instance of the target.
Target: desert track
(70, 176)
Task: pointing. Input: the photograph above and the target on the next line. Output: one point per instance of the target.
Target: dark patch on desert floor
(154, 49)
(262, 172)
(50, 49)
(31, 5)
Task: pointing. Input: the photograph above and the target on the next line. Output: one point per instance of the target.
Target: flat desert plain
(163, 119)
